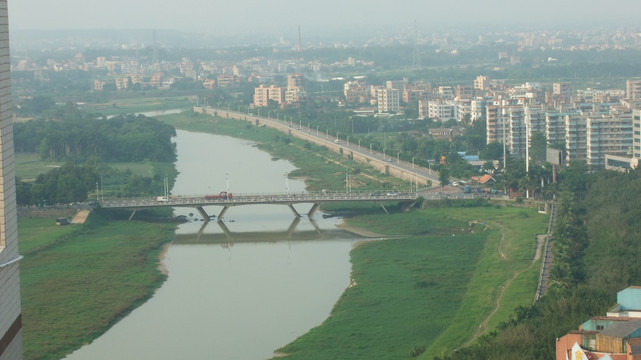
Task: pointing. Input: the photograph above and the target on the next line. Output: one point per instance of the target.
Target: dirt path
(80, 217)
(540, 240)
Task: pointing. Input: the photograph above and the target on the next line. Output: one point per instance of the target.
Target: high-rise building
(388, 100)
(633, 90)
(10, 311)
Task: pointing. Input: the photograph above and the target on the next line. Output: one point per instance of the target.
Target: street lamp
(327, 134)
(398, 158)
(317, 130)
(286, 182)
(384, 154)
(359, 143)
(412, 162)
(348, 141)
(337, 136)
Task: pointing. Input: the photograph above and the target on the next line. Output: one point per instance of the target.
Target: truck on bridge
(225, 195)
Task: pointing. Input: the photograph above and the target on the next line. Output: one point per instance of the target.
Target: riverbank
(405, 304)
(69, 300)
(358, 231)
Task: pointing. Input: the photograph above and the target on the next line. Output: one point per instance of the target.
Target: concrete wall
(10, 311)
(339, 148)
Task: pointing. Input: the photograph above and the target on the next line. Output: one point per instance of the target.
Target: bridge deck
(248, 199)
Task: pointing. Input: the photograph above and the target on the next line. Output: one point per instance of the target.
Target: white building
(388, 100)
(608, 134)
(441, 111)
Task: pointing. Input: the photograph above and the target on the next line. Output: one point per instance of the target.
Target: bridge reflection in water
(290, 234)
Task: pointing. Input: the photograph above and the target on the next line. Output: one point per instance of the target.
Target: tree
(444, 176)
(538, 146)
(493, 151)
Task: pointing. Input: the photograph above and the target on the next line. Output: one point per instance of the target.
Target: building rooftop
(622, 329)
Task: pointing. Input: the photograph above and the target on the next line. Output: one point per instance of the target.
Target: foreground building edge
(10, 310)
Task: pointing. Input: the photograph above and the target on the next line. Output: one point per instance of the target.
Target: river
(240, 294)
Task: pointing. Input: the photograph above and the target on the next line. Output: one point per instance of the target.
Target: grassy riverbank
(434, 289)
(78, 280)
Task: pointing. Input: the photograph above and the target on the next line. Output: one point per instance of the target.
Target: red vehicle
(225, 195)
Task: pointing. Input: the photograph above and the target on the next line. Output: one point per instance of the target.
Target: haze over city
(252, 16)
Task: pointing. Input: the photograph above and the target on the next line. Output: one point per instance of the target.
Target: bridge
(287, 199)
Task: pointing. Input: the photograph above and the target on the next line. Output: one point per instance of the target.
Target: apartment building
(226, 80)
(615, 336)
(636, 134)
(295, 92)
(156, 79)
(388, 100)
(464, 91)
(576, 129)
(438, 110)
(481, 83)
(608, 134)
(555, 126)
(505, 122)
(478, 109)
(295, 80)
(356, 92)
(396, 84)
(122, 83)
(633, 90)
(563, 90)
(263, 95)
(10, 310)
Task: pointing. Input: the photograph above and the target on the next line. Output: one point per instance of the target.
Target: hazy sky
(247, 16)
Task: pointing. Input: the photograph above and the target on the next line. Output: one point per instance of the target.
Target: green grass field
(29, 166)
(76, 281)
(136, 105)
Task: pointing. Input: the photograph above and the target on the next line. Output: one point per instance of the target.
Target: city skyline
(250, 16)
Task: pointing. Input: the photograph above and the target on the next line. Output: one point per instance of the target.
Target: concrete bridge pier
(291, 206)
(220, 216)
(313, 210)
(384, 209)
(203, 213)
